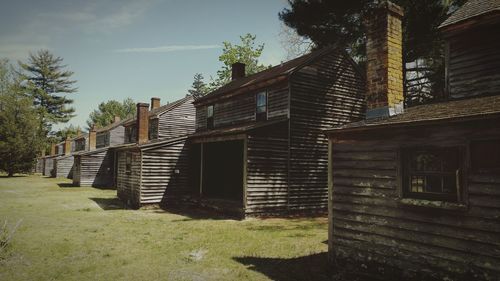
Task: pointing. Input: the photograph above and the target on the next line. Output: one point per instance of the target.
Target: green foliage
(69, 131)
(20, 136)
(246, 52)
(340, 22)
(199, 88)
(47, 82)
(106, 112)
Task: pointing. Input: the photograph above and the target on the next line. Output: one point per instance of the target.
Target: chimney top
(237, 70)
(116, 119)
(155, 103)
(384, 61)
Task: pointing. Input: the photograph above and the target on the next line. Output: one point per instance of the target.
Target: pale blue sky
(137, 49)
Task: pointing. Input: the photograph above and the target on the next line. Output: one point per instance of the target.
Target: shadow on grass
(14, 176)
(193, 213)
(66, 185)
(109, 204)
(293, 224)
(104, 187)
(312, 267)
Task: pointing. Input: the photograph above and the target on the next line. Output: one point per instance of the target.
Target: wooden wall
(64, 166)
(370, 222)
(474, 63)
(94, 169)
(267, 171)
(240, 109)
(159, 174)
(177, 122)
(325, 93)
(102, 139)
(127, 184)
(117, 135)
(48, 166)
(39, 165)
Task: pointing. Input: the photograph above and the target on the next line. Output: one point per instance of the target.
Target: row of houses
(415, 189)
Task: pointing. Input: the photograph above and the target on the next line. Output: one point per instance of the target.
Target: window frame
(128, 163)
(261, 116)
(405, 154)
(210, 119)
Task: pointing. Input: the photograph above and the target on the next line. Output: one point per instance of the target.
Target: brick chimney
(78, 132)
(142, 125)
(384, 66)
(53, 149)
(67, 146)
(92, 138)
(155, 103)
(237, 70)
(116, 119)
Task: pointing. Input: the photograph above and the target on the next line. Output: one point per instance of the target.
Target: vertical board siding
(48, 166)
(102, 139)
(165, 173)
(177, 122)
(95, 169)
(128, 184)
(267, 171)
(474, 64)
(369, 221)
(64, 167)
(326, 93)
(39, 165)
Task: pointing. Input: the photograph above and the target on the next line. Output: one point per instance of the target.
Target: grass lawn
(70, 233)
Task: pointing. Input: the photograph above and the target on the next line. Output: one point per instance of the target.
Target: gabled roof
(112, 126)
(283, 69)
(471, 9)
(467, 109)
(162, 109)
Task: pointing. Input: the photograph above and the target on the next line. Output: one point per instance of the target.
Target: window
(153, 129)
(80, 144)
(128, 163)
(130, 134)
(261, 106)
(210, 117)
(485, 156)
(432, 173)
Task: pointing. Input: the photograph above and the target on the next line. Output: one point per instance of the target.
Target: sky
(139, 49)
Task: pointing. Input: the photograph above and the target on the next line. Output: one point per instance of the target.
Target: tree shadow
(14, 176)
(109, 204)
(66, 185)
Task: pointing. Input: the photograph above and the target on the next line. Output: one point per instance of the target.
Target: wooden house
(416, 191)
(95, 166)
(64, 164)
(48, 160)
(152, 165)
(259, 149)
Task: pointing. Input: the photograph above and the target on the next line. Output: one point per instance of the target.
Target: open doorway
(223, 171)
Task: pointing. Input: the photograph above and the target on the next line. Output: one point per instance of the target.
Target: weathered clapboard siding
(48, 166)
(325, 93)
(474, 63)
(63, 166)
(94, 169)
(128, 183)
(39, 165)
(110, 137)
(370, 222)
(178, 121)
(165, 173)
(267, 171)
(241, 109)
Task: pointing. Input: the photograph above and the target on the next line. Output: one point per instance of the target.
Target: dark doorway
(223, 170)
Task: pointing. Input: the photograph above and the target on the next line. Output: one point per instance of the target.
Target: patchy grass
(70, 233)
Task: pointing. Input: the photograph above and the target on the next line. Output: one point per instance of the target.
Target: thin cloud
(166, 49)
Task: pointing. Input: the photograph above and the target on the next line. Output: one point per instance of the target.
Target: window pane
(261, 109)
(261, 99)
(433, 184)
(417, 184)
(426, 161)
(210, 111)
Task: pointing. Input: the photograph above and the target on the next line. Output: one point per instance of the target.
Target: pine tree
(46, 80)
(199, 88)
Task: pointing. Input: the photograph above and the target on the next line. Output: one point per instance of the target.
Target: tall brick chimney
(155, 103)
(384, 66)
(67, 146)
(116, 119)
(142, 125)
(53, 149)
(237, 70)
(92, 138)
(78, 132)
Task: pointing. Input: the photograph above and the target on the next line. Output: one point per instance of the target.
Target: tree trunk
(10, 174)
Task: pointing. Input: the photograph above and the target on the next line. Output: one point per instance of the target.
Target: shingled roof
(453, 110)
(471, 9)
(280, 70)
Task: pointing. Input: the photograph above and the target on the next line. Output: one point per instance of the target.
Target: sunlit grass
(70, 233)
